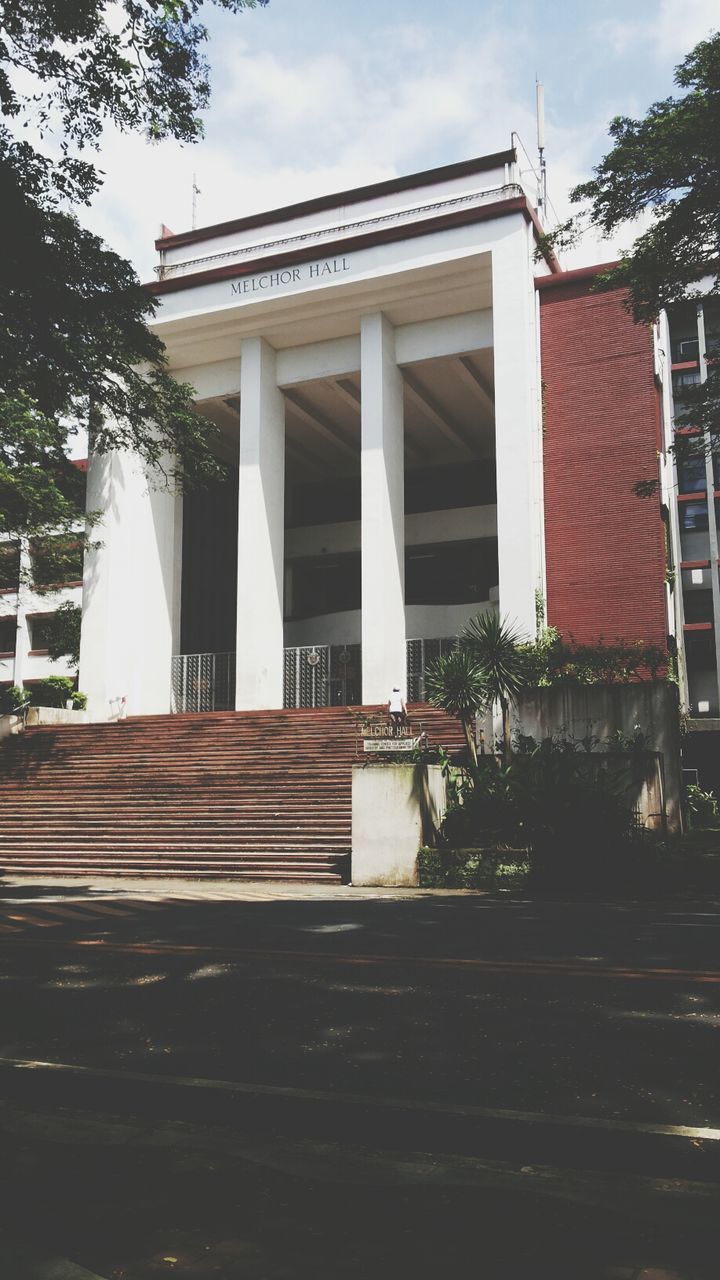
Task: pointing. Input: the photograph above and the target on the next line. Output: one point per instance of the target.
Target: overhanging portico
(367, 359)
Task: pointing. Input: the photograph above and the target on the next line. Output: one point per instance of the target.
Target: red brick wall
(604, 546)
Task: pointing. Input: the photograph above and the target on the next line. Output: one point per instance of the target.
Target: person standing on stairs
(397, 708)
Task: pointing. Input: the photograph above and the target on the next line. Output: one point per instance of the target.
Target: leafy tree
(457, 683)
(495, 645)
(667, 164)
(63, 634)
(75, 349)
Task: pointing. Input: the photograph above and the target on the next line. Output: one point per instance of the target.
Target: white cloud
(674, 28)
(681, 24)
(284, 128)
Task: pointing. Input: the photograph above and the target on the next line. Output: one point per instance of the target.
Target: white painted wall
(337, 216)
(396, 809)
(519, 476)
(422, 622)
(261, 522)
(366, 270)
(383, 521)
(460, 524)
(129, 589)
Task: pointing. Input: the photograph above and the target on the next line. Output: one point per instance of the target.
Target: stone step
(231, 795)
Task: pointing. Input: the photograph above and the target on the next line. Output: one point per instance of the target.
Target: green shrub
(11, 699)
(53, 691)
(492, 868)
(79, 701)
(702, 807)
(569, 809)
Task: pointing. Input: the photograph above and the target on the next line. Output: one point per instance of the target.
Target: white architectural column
(383, 519)
(518, 427)
(261, 530)
(131, 586)
(22, 629)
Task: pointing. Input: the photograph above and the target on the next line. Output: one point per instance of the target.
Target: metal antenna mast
(195, 193)
(540, 112)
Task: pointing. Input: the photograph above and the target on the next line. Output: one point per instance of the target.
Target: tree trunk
(507, 732)
(469, 727)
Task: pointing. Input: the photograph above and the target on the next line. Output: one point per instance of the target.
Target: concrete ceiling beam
(447, 425)
(476, 381)
(319, 423)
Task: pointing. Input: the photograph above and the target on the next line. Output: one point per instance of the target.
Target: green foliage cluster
(9, 566)
(56, 560)
(552, 797)
(472, 869)
(12, 699)
(667, 163)
(551, 660)
(63, 633)
(487, 665)
(701, 808)
(76, 352)
(54, 691)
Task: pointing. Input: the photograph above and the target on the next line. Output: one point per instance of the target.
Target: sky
(314, 96)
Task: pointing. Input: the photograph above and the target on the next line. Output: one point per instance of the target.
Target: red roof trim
(391, 186)
(574, 277)
(382, 235)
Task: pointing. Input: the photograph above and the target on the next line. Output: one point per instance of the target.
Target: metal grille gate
(318, 675)
(203, 682)
(321, 675)
(420, 654)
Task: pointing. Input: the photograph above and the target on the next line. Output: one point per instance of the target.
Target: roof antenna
(195, 193)
(540, 112)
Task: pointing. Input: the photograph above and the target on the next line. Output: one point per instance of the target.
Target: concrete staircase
(239, 795)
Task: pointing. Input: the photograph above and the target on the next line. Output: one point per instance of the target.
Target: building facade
(420, 420)
(36, 578)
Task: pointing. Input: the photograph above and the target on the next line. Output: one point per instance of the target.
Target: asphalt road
(579, 1039)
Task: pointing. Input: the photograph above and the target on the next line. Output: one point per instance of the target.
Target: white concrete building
(371, 362)
(28, 601)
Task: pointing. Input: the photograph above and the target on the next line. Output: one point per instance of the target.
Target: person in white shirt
(397, 707)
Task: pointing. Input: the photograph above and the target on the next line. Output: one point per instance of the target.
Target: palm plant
(457, 683)
(492, 644)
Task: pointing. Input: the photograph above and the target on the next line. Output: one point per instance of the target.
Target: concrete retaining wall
(602, 710)
(396, 808)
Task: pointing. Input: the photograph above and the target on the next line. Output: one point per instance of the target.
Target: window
(8, 632)
(684, 349)
(9, 566)
(693, 516)
(700, 650)
(57, 561)
(683, 379)
(698, 606)
(40, 625)
(692, 477)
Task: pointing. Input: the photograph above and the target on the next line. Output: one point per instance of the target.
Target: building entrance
(322, 675)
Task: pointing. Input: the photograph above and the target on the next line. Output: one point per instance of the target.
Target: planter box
(396, 809)
(58, 715)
